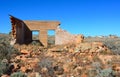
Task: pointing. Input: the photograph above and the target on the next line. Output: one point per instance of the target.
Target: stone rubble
(67, 60)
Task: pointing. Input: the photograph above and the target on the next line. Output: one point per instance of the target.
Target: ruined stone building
(22, 30)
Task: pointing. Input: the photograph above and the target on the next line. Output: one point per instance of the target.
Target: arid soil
(92, 58)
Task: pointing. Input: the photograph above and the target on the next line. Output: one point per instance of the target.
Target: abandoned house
(22, 30)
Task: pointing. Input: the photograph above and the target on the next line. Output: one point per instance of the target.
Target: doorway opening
(51, 37)
(35, 37)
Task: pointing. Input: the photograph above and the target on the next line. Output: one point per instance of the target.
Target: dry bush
(6, 52)
(112, 43)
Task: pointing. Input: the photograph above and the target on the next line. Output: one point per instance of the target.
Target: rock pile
(67, 60)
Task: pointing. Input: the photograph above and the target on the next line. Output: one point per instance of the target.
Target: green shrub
(112, 43)
(97, 71)
(35, 42)
(107, 72)
(6, 50)
(3, 68)
(18, 74)
(6, 67)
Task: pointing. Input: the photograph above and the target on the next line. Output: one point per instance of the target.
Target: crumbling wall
(64, 37)
(20, 32)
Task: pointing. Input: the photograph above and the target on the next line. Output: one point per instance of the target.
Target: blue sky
(88, 17)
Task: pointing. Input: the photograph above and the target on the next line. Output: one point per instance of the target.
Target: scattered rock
(25, 52)
(68, 60)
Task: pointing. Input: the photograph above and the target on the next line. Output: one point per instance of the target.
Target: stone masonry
(64, 37)
(22, 30)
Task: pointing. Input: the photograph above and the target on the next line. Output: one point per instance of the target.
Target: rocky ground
(87, 59)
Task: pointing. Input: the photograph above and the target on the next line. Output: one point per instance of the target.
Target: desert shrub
(113, 45)
(3, 68)
(107, 73)
(47, 63)
(6, 50)
(97, 71)
(101, 73)
(36, 42)
(91, 73)
(18, 74)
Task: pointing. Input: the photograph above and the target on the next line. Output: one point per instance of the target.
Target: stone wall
(64, 37)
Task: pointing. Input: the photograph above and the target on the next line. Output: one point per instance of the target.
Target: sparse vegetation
(74, 60)
(3, 68)
(18, 74)
(98, 71)
(112, 43)
(6, 50)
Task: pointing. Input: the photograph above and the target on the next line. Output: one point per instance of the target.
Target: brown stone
(79, 39)
(44, 70)
(23, 69)
(21, 57)
(83, 75)
(24, 52)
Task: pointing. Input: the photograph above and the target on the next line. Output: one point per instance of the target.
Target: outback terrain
(94, 57)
